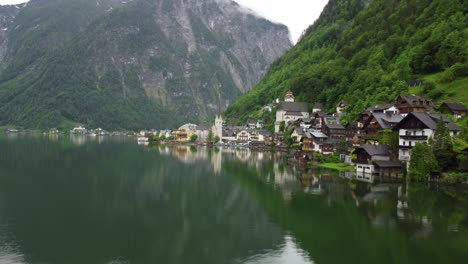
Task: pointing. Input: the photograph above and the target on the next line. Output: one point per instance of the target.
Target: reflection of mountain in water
(95, 203)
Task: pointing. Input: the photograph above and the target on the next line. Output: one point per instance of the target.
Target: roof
(317, 134)
(387, 163)
(291, 113)
(318, 105)
(387, 121)
(414, 98)
(455, 107)
(299, 130)
(333, 122)
(430, 120)
(293, 107)
(203, 127)
(306, 120)
(376, 150)
(381, 107)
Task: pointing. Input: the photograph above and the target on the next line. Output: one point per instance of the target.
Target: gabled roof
(376, 150)
(293, 107)
(455, 107)
(430, 120)
(413, 100)
(387, 163)
(386, 121)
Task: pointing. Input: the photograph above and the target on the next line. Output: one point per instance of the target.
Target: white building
(419, 127)
(290, 111)
(217, 128)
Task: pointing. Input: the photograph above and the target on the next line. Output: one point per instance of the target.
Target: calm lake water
(74, 200)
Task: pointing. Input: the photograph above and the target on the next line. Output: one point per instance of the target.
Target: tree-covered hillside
(366, 52)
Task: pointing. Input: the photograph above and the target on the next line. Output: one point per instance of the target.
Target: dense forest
(368, 52)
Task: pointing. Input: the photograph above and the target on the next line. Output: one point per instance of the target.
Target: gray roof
(430, 120)
(299, 130)
(387, 121)
(377, 150)
(317, 134)
(291, 113)
(379, 107)
(416, 99)
(387, 163)
(333, 122)
(455, 107)
(293, 107)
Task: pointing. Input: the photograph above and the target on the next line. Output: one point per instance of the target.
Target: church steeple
(289, 96)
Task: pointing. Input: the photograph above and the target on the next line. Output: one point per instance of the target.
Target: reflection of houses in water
(189, 155)
(285, 177)
(78, 139)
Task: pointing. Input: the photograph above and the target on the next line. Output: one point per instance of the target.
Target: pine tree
(422, 163)
(442, 146)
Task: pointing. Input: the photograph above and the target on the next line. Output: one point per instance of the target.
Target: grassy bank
(336, 166)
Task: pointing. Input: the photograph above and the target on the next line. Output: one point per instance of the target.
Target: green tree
(422, 163)
(216, 139)
(282, 126)
(193, 138)
(442, 147)
(209, 139)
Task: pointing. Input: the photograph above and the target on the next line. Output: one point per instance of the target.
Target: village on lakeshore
(377, 146)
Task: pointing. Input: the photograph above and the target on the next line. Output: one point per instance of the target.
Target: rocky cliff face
(132, 64)
(7, 17)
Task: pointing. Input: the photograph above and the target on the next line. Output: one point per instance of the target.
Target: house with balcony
(419, 127)
(376, 123)
(413, 103)
(316, 141)
(332, 127)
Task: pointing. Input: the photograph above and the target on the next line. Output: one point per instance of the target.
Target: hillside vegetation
(366, 52)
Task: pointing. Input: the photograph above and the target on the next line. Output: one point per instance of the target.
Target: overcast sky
(296, 14)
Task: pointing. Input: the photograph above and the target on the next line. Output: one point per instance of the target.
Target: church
(290, 111)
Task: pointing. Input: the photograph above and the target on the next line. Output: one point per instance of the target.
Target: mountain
(130, 64)
(367, 52)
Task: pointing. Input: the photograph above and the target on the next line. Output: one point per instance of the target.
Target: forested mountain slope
(366, 52)
(131, 64)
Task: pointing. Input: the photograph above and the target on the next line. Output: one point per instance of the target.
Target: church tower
(289, 96)
(217, 129)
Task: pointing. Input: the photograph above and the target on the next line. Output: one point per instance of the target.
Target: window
(408, 133)
(404, 143)
(423, 132)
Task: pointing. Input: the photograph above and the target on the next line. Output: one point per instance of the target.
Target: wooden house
(412, 103)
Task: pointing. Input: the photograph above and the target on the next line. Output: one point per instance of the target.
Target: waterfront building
(419, 127)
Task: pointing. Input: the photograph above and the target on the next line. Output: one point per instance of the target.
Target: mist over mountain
(129, 64)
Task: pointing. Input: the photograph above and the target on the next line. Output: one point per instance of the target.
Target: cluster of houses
(316, 130)
(413, 117)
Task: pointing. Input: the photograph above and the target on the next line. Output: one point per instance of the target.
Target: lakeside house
(419, 127)
(374, 160)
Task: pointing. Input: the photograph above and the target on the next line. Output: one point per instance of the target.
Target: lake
(81, 200)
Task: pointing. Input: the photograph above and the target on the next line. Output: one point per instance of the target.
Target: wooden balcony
(411, 137)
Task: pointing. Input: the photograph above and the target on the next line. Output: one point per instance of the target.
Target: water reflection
(116, 202)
